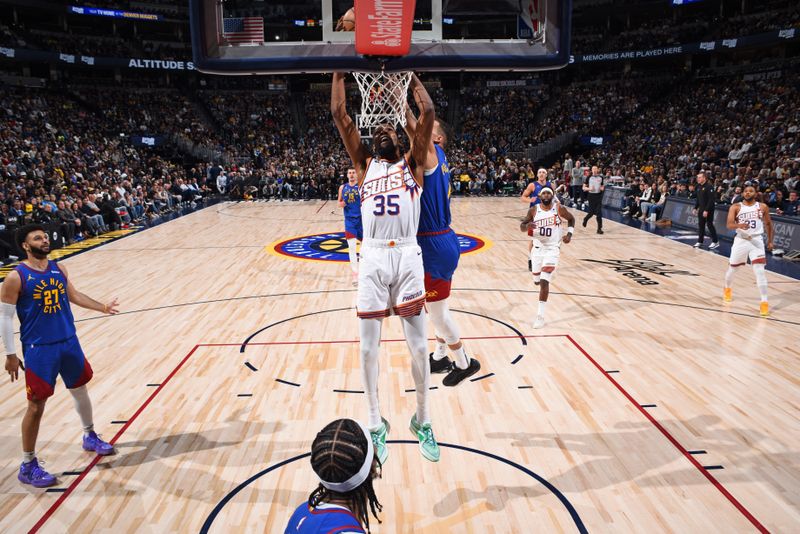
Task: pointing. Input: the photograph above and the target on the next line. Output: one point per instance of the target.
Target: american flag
(243, 30)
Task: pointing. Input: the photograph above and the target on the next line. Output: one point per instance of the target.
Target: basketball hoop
(383, 98)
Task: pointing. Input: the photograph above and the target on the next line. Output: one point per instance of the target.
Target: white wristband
(571, 230)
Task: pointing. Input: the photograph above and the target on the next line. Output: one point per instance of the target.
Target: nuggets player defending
(749, 218)
(440, 254)
(531, 196)
(543, 224)
(41, 293)
(350, 200)
(391, 276)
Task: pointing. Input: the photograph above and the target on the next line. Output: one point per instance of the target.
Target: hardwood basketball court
(637, 408)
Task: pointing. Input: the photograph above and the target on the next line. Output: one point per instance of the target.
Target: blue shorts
(440, 255)
(353, 228)
(43, 364)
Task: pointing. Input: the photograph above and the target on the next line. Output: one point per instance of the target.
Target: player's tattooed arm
(421, 141)
(347, 129)
(566, 215)
(410, 128)
(84, 301)
(528, 220)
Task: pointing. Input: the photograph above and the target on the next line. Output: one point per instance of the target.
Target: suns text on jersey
(749, 215)
(384, 184)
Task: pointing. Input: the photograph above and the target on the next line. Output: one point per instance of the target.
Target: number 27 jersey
(390, 201)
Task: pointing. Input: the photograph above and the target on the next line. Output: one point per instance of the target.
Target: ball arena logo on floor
(630, 269)
(333, 246)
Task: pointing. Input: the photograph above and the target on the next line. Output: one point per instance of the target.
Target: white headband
(356, 480)
(542, 190)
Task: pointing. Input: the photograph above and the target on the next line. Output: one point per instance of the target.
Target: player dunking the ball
(350, 200)
(440, 254)
(749, 218)
(543, 224)
(41, 292)
(391, 276)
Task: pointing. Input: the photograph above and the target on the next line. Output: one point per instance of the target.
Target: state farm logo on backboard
(383, 27)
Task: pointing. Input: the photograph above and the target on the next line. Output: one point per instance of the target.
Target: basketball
(347, 23)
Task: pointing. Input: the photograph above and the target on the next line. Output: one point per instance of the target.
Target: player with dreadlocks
(344, 459)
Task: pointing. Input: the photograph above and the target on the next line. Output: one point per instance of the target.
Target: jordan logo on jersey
(49, 293)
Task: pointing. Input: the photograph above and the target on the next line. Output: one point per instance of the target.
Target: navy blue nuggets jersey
(43, 307)
(435, 215)
(324, 519)
(352, 201)
(439, 244)
(537, 188)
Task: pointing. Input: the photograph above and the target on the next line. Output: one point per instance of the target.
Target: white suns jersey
(754, 217)
(390, 203)
(547, 226)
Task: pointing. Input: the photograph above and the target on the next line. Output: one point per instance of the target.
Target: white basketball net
(383, 98)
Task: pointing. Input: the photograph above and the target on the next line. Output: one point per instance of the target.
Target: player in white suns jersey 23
(391, 277)
(543, 224)
(750, 219)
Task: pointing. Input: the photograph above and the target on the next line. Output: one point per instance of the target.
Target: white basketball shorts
(391, 278)
(544, 260)
(746, 248)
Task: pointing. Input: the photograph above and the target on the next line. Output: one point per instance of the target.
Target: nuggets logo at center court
(333, 247)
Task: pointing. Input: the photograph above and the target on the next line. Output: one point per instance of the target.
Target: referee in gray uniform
(593, 185)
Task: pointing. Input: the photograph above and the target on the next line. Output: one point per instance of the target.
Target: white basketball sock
(83, 405)
(460, 357)
(351, 252)
(729, 276)
(415, 330)
(441, 348)
(542, 306)
(761, 280)
(442, 319)
(369, 344)
(28, 456)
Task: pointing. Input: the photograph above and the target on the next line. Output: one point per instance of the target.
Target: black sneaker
(440, 366)
(456, 376)
(585, 222)
(530, 265)
(599, 231)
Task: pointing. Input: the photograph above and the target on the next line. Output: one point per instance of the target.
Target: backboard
(270, 37)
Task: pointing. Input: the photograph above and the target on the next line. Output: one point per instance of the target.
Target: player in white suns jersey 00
(391, 277)
(750, 219)
(543, 224)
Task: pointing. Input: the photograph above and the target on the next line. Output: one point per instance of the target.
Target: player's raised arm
(347, 129)
(410, 129)
(421, 141)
